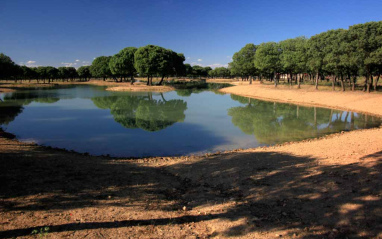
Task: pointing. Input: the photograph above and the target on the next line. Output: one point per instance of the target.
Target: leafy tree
(334, 52)
(153, 60)
(219, 72)
(122, 63)
(100, 67)
(178, 66)
(51, 73)
(7, 67)
(267, 59)
(293, 57)
(242, 62)
(188, 69)
(63, 73)
(367, 39)
(84, 72)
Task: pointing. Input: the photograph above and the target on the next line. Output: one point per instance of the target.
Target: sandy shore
(355, 101)
(111, 86)
(320, 188)
(141, 88)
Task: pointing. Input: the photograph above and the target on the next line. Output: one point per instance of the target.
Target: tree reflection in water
(142, 111)
(273, 123)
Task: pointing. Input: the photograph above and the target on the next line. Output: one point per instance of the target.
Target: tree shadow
(49, 178)
(276, 191)
(270, 190)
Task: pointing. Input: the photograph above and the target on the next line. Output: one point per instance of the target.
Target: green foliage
(267, 58)
(7, 67)
(188, 69)
(242, 61)
(42, 232)
(100, 67)
(84, 72)
(151, 60)
(293, 55)
(220, 72)
(122, 63)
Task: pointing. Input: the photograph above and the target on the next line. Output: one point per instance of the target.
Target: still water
(90, 119)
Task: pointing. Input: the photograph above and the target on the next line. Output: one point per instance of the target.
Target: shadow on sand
(271, 191)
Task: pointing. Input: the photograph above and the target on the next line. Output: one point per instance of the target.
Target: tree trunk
(376, 82)
(132, 80)
(353, 83)
(250, 80)
(299, 83)
(274, 79)
(333, 81)
(316, 83)
(160, 82)
(342, 83)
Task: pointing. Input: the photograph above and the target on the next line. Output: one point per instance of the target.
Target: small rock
(184, 208)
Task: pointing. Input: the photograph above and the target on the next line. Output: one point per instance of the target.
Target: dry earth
(321, 188)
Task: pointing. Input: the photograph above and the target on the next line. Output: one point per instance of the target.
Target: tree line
(339, 56)
(11, 71)
(148, 61)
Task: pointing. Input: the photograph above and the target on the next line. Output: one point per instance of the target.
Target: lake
(90, 119)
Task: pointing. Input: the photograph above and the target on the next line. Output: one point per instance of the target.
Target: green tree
(243, 62)
(7, 67)
(267, 60)
(188, 69)
(122, 63)
(153, 60)
(179, 67)
(367, 39)
(84, 73)
(293, 57)
(100, 67)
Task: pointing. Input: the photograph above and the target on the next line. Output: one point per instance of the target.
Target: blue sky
(74, 32)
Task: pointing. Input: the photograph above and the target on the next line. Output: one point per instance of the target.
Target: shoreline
(319, 187)
(256, 91)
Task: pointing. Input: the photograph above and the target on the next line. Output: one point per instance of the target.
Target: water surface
(89, 119)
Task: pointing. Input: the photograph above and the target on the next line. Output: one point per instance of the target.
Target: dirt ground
(321, 188)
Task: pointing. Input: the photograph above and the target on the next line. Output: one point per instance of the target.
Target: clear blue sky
(55, 32)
